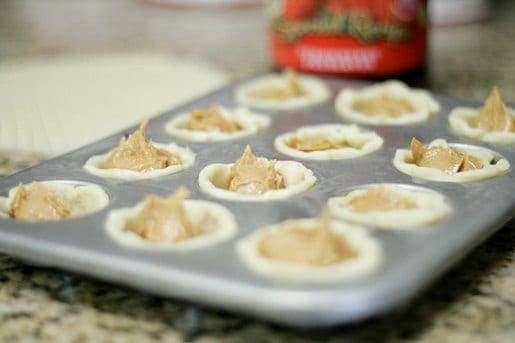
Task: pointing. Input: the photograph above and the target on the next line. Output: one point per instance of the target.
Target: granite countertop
(473, 302)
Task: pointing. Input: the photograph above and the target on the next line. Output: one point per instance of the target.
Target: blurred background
(231, 37)
(64, 63)
(123, 60)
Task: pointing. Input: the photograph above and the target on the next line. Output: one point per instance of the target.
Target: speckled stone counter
(474, 302)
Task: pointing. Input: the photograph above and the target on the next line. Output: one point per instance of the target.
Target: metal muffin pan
(215, 276)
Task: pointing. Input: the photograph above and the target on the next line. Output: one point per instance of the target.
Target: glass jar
(376, 38)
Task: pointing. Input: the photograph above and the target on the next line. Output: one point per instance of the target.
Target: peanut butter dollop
(138, 154)
(308, 144)
(291, 89)
(378, 199)
(164, 220)
(250, 175)
(448, 160)
(38, 203)
(384, 104)
(318, 246)
(494, 115)
(209, 120)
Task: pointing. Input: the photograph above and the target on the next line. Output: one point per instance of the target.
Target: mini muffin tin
(215, 276)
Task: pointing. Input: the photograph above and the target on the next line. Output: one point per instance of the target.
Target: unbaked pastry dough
(463, 121)
(425, 206)
(51, 105)
(294, 177)
(404, 162)
(215, 221)
(368, 254)
(247, 123)
(293, 91)
(96, 164)
(329, 142)
(80, 199)
(420, 104)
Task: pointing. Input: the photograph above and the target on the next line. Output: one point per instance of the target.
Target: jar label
(352, 37)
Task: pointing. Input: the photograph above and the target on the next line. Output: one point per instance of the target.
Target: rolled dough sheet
(52, 106)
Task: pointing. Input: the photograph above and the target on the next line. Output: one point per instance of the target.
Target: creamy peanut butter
(164, 220)
(138, 154)
(378, 199)
(291, 89)
(210, 120)
(308, 144)
(471, 163)
(448, 160)
(250, 175)
(384, 104)
(494, 115)
(38, 203)
(318, 246)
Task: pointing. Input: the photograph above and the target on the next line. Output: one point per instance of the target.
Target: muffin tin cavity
(461, 120)
(297, 179)
(493, 164)
(247, 124)
(94, 165)
(390, 206)
(399, 104)
(366, 260)
(215, 221)
(312, 91)
(328, 142)
(77, 198)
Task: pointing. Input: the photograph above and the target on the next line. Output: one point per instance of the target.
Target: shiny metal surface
(215, 276)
